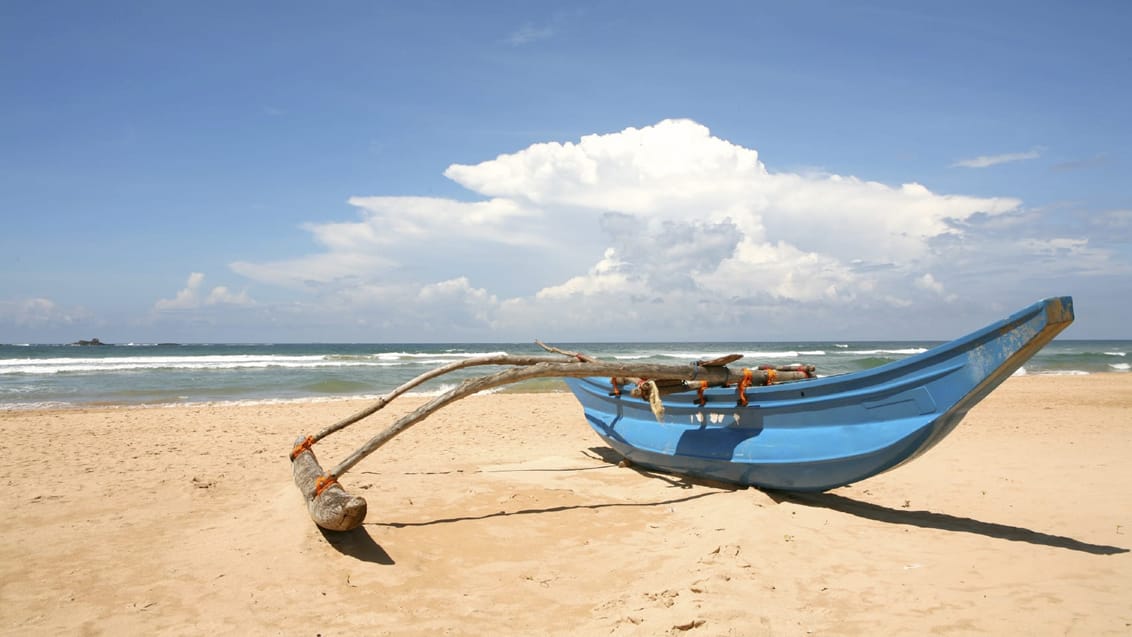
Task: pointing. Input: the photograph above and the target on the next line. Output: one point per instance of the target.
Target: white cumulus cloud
(664, 229)
(192, 296)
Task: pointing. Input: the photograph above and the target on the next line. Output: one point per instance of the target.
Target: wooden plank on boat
(721, 361)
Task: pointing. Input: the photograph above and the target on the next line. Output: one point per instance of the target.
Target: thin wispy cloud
(1095, 161)
(984, 161)
(1113, 226)
(529, 33)
(39, 312)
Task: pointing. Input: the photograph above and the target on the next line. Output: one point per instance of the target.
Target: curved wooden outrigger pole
(332, 508)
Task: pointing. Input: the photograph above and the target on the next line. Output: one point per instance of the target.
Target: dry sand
(500, 516)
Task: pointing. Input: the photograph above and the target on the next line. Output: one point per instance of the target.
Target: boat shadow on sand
(360, 545)
(878, 513)
(940, 521)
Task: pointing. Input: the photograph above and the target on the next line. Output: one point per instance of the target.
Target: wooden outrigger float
(766, 430)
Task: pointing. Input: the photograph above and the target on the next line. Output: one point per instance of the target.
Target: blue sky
(499, 171)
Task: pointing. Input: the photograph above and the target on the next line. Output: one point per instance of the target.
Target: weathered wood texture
(333, 509)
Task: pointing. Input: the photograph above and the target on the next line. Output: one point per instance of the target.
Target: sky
(565, 171)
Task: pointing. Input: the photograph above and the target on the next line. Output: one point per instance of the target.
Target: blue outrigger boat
(800, 435)
(814, 435)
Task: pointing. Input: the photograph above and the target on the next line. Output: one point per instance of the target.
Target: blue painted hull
(820, 434)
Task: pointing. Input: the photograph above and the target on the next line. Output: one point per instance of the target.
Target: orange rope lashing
(323, 483)
(616, 387)
(744, 384)
(305, 445)
(771, 376)
(700, 400)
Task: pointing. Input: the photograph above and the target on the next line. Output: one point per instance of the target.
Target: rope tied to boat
(701, 400)
(323, 483)
(744, 383)
(616, 386)
(305, 445)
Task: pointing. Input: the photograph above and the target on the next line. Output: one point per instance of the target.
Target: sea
(59, 376)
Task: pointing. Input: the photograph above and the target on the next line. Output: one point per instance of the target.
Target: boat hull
(828, 432)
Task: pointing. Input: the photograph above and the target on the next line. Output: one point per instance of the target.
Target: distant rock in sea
(93, 341)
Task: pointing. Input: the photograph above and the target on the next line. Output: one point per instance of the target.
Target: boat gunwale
(890, 376)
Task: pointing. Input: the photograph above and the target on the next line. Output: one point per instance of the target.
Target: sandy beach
(505, 514)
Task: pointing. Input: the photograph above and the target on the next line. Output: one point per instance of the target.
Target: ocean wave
(756, 354)
(1121, 367)
(1022, 371)
(50, 366)
(789, 353)
(908, 351)
(184, 401)
(451, 355)
(65, 365)
(13, 390)
(252, 402)
(47, 404)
